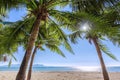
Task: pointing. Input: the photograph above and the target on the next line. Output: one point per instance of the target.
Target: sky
(85, 53)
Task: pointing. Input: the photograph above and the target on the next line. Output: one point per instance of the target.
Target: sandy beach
(5, 75)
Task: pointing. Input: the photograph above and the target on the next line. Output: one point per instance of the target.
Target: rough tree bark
(104, 70)
(31, 62)
(22, 71)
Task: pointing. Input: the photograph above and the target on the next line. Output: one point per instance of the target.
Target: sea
(43, 68)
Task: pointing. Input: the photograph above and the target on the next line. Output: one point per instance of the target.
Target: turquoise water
(50, 68)
(40, 69)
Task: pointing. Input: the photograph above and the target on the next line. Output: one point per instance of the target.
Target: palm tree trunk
(104, 70)
(31, 63)
(22, 71)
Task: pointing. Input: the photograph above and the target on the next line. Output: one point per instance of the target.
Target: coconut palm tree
(51, 41)
(95, 29)
(42, 10)
(43, 15)
(50, 35)
(99, 9)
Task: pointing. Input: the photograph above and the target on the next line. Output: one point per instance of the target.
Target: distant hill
(18, 65)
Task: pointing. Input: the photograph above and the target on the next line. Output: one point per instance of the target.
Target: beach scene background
(43, 68)
(83, 65)
(42, 72)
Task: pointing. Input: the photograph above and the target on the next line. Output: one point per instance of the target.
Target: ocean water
(114, 69)
(52, 68)
(47, 69)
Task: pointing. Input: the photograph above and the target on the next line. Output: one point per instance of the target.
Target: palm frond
(55, 3)
(65, 19)
(59, 31)
(92, 6)
(6, 5)
(74, 36)
(56, 49)
(106, 50)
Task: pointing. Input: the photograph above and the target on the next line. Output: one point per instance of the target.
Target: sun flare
(85, 27)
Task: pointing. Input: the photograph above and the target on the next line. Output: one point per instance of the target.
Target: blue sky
(85, 54)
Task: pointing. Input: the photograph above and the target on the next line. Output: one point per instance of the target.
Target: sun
(85, 27)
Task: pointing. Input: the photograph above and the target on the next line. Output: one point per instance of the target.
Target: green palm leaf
(106, 50)
(55, 48)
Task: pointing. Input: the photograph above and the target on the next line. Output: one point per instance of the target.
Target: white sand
(4, 75)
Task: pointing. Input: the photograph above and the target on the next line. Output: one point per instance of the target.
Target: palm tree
(95, 29)
(31, 62)
(42, 11)
(51, 42)
(50, 34)
(41, 16)
(98, 10)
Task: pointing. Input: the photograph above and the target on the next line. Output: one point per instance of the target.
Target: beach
(10, 75)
